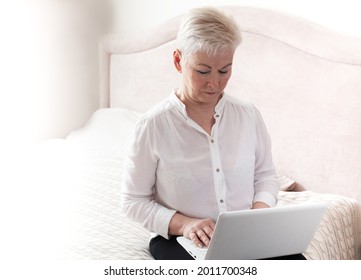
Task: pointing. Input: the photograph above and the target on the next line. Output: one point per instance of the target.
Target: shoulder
(240, 106)
(243, 110)
(159, 109)
(154, 115)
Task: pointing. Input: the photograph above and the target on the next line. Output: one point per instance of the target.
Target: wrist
(259, 205)
(177, 224)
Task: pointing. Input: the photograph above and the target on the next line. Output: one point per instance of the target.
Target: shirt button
(217, 169)
(221, 201)
(212, 141)
(217, 115)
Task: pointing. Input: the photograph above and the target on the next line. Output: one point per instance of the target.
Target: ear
(177, 57)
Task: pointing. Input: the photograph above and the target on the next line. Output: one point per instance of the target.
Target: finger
(210, 224)
(194, 237)
(203, 237)
(209, 231)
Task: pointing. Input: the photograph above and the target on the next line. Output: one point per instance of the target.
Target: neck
(194, 105)
(200, 112)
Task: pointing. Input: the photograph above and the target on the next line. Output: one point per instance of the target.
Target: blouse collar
(182, 108)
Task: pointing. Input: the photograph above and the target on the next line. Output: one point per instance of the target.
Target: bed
(305, 80)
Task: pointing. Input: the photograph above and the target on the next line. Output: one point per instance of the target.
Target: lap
(170, 249)
(164, 249)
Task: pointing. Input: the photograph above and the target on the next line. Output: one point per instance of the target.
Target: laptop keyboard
(200, 252)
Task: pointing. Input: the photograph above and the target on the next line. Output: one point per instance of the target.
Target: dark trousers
(163, 249)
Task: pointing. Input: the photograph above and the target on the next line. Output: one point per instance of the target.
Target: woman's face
(204, 76)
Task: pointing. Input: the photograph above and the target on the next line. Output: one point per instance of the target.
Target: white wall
(49, 56)
(49, 65)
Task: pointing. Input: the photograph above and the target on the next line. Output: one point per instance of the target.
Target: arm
(266, 182)
(140, 164)
(138, 193)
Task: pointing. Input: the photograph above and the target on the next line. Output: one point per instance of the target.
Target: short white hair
(207, 30)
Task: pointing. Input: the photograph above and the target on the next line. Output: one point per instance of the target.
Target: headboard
(305, 79)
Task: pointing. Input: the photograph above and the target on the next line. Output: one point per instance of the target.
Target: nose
(213, 81)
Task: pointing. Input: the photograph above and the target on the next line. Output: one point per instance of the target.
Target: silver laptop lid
(265, 233)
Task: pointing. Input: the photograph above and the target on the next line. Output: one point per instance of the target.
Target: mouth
(210, 93)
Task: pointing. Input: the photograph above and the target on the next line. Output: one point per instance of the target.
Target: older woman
(199, 152)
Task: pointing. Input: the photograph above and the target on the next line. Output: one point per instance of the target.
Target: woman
(199, 152)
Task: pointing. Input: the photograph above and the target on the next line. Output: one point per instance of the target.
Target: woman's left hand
(259, 205)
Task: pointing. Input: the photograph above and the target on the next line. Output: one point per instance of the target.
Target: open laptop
(259, 234)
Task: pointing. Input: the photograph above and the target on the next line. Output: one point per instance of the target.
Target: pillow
(107, 127)
(288, 184)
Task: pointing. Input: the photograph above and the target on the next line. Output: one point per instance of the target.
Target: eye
(202, 72)
(223, 71)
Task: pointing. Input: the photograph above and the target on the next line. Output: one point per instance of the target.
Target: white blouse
(173, 165)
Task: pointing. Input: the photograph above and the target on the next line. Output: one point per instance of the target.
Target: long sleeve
(265, 177)
(138, 201)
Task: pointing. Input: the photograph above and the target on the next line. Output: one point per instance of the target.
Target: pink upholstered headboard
(305, 80)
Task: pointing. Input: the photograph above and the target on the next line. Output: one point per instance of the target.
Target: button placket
(218, 176)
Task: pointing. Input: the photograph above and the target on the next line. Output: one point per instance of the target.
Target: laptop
(260, 233)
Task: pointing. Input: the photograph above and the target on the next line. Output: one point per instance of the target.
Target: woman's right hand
(200, 231)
